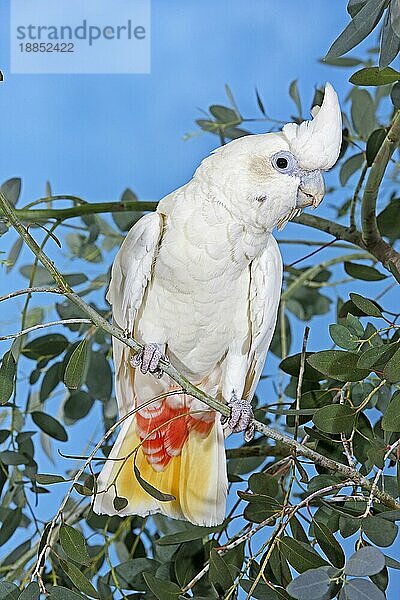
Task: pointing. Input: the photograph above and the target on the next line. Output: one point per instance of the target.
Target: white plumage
(201, 278)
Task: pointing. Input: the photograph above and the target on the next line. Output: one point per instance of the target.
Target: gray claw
(241, 418)
(148, 360)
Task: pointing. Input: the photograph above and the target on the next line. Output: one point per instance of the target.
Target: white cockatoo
(198, 282)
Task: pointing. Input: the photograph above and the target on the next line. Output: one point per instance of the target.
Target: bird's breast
(197, 301)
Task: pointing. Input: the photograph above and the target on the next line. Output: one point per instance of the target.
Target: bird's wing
(131, 272)
(265, 291)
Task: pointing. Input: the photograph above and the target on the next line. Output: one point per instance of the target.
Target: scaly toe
(148, 360)
(241, 418)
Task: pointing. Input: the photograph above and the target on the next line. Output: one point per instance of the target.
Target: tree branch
(380, 249)
(189, 388)
(370, 233)
(60, 214)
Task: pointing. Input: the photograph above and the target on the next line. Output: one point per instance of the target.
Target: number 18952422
(46, 47)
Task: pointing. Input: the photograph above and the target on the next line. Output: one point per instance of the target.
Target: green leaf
(282, 337)
(31, 592)
(50, 381)
(74, 545)
(7, 377)
(193, 532)
(9, 591)
(76, 367)
(265, 484)
(338, 364)
(262, 591)
(260, 103)
(44, 479)
(344, 61)
(79, 579)
(59, 592)
(376, 355)
(343, 337)
(363, 113)
(14, 254)
(12, 190)
(45, 346)
(368, 307)
(389, 220)
(329, 544)
(350, 166)
(390, 42)
(363, 272)
(391, 418)
(394, 270)
(11, 522)
(301, 556)
(313, 583)
(380, 531)
(43, 277)
(130, 573)
(9, 457)
(124, 220)
(375, 76)
(361, 589)
(295, 96)
(119, 503)
(360, 26)
(395, 95)
(163, 590)
(99, 376)
(220, 575)
(85, 491)
(150, 489)
(366, 561)
(223, 114)
(49, 425)
(291, 365)
(77, 405)
(374, 143)
(391, 372)
(335, 418)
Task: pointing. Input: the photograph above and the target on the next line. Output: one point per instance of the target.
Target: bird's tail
(195, 480)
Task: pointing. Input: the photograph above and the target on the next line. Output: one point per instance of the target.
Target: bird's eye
(282, 163)
(285, 162)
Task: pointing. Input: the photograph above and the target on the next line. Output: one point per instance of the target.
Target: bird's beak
(311, 189)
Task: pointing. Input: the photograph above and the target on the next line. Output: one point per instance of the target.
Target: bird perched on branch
(199, 282)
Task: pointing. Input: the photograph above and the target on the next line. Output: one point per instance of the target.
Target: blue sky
(95, 135)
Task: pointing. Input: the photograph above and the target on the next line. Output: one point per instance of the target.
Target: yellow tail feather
(196, 478)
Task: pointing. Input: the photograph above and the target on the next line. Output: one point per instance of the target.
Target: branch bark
(293, 445)
(371, 236)
(88, 208)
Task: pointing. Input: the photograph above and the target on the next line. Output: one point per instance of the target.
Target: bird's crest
(317, 143)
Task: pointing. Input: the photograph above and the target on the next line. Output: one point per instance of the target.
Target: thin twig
(355, 197)
(347, 444)
(43, 326)
(376, 480)
(300, 379)
(30, 290)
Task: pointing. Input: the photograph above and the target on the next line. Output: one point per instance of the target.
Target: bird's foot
(241, 417)
(148, 360)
